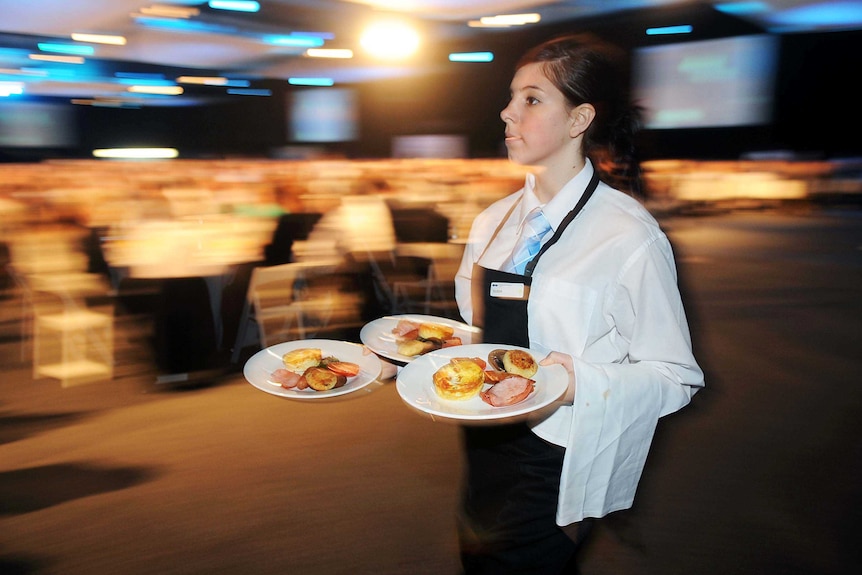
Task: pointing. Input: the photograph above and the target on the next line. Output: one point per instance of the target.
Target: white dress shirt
(606, 293)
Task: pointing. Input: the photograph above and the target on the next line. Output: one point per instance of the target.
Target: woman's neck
(550, 181)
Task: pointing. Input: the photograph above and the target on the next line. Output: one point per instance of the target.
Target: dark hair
(587, 70)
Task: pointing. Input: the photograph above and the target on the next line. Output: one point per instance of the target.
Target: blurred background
(185, 183)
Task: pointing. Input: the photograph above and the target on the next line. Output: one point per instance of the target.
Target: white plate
(378, 337)
(258, 369)
(416, 387)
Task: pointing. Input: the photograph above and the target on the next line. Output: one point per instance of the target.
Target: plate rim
(313, 395)
(423, 317)
(491, 417)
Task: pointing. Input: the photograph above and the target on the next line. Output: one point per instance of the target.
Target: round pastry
(460, 379)
(435, 331)
(298, 360)
(520, 362)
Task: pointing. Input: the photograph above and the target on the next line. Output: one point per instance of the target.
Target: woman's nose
(506, 114)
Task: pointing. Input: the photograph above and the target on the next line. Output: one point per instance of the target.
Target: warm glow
(99, 39)
(390, 40)
(60, 59)
(163, 90)
(169, 11)
(137, 153)
(329, 53)
(204, 80)
(505, 20)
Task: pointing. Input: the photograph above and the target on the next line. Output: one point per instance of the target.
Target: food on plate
(435, 331)
(308, 368)
(344, 368)
(509, 391)
(510, 377)
(460, 379)
(418, 338)
(289, 379)
(516, 361)
(323, 379)
(413, 347)
(300, 359)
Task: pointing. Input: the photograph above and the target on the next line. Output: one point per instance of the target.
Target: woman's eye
(532, 101)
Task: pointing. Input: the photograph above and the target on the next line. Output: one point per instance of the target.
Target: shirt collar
(561, 204)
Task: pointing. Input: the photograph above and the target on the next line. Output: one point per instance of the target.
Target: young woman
(600, 298)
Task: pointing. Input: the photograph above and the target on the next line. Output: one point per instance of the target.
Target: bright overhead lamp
(203, 80)
(685, 29)
(136, 153)
(57, 58)
(234, 5)
(74, 49)
(342, 53)
(10, 88)
(99, 39)
(505, 20)
(297, 40)
(390, 40)
(167, 11)
(310, 81)
(160, 90)
(471, 57)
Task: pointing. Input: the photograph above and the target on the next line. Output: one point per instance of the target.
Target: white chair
(73, 328)
(295, 301)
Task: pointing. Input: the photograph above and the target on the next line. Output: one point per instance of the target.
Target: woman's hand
(569, 364)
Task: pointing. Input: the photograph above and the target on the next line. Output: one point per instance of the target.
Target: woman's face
(537, 121)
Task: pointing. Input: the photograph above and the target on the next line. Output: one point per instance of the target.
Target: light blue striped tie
(536, 226)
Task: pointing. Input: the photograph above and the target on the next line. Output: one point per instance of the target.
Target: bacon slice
(404, 327)
(511, 390)
(287, 379)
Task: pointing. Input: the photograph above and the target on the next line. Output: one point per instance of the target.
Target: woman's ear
(580, 119)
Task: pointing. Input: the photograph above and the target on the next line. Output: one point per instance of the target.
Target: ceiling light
(390, 40)
(136, 153)
(296, 40)
(99, 39)
(169, 11)
(60, 59)
(471, 57)
(161, 90)
(685, 29)
(329, 53)
(234, 5)
(76, 49)
(203, 80)
(9, 88)
(311, 81)
(505, 20)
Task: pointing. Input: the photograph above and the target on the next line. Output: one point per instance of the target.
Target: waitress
(574, 268)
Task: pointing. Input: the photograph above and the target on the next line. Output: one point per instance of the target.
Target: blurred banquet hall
(152, 245)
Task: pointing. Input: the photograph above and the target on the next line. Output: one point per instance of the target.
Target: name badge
(507, 290)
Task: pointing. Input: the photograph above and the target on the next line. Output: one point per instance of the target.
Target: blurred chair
(380, 273)
(73, 327)
(434, 294)
(295, 301)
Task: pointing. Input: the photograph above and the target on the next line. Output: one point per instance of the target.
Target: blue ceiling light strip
(73, 49)
(249, 92)
(684, 29)
(471, 57)
(311, 81)
(235, 5)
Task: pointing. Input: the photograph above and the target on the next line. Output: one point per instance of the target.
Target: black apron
(513, 476)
